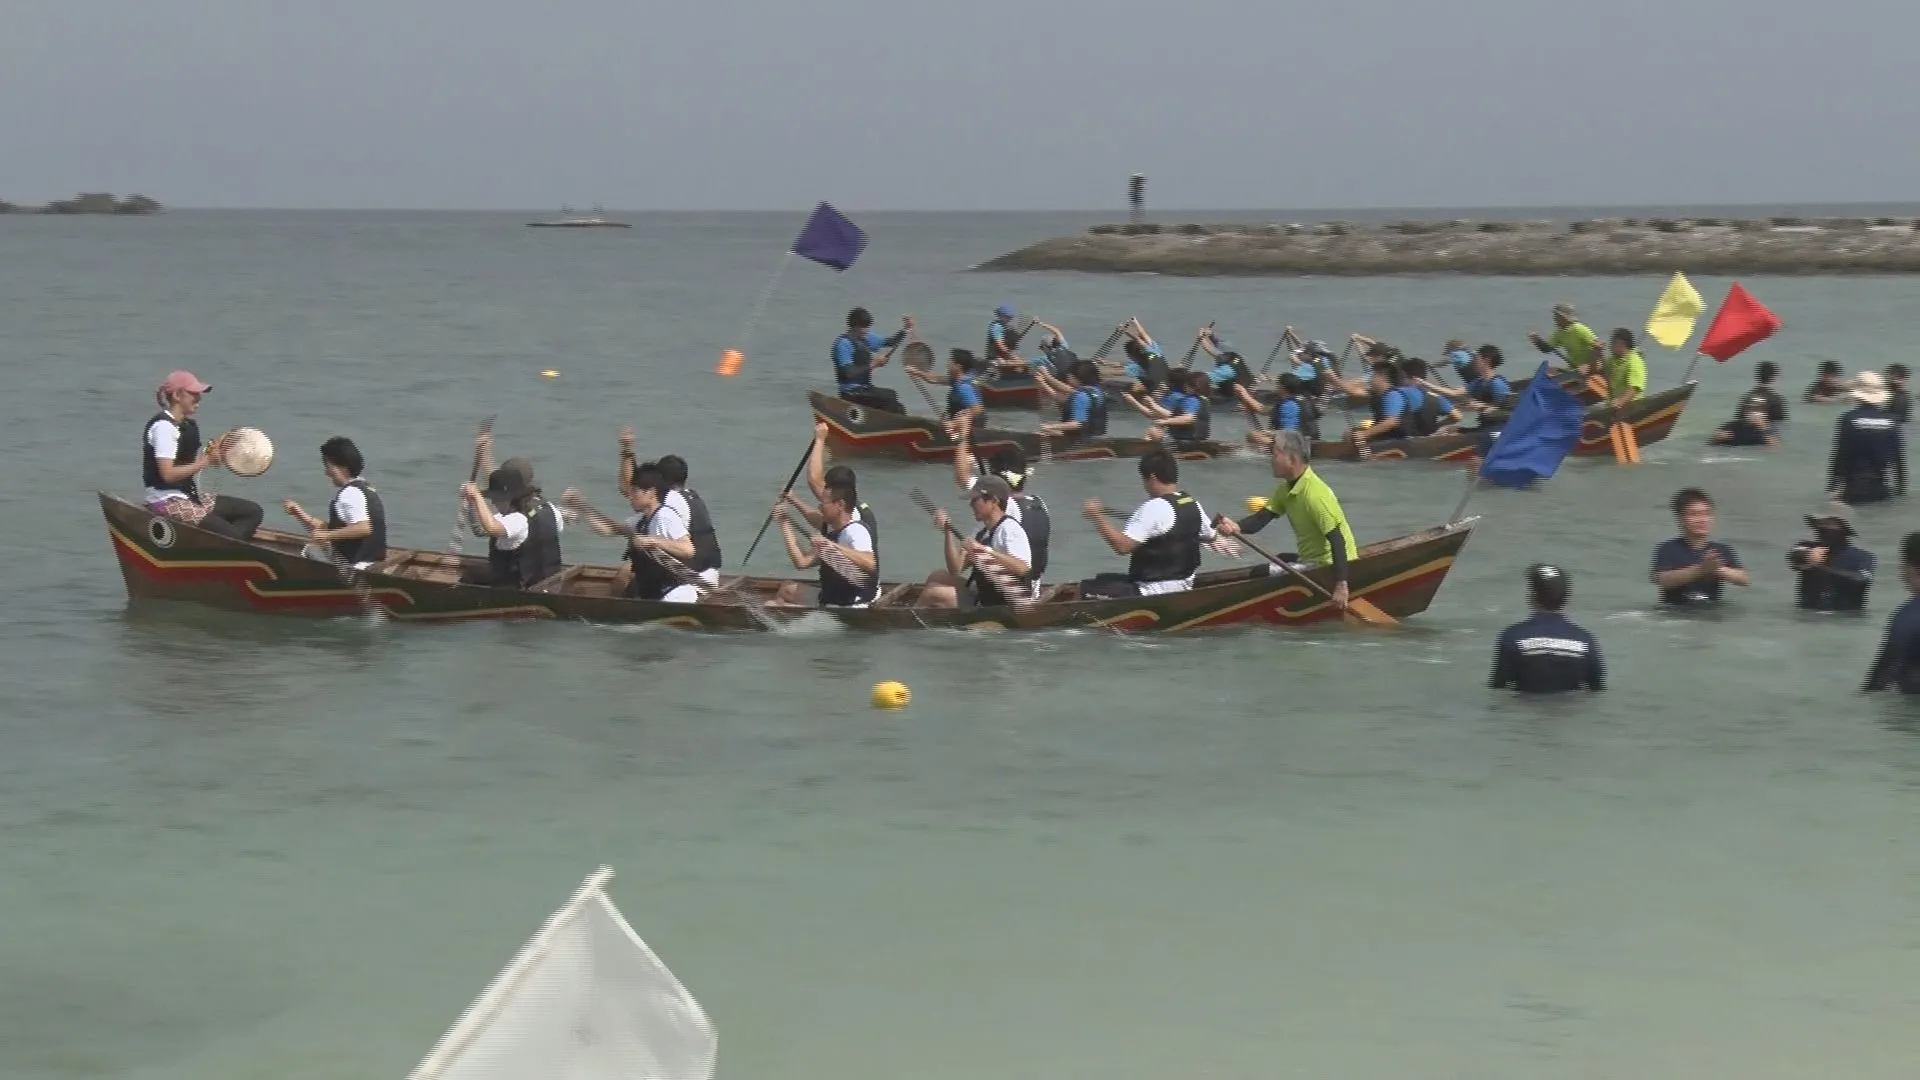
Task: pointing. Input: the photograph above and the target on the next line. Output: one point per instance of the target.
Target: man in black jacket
(1834, 575)
(1867, 449)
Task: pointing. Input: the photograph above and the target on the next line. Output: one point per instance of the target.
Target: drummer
(172, 458)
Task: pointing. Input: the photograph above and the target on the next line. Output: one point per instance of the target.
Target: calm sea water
(240, 848)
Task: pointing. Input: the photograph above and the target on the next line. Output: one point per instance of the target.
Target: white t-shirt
(1010, 538)
(1153, 518)
(163, 435)
(678, 528)
(856, 538)
(516, 525)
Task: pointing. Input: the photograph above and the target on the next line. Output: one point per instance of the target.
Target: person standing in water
(1834, 574)
(1547, 653)
(1691, 568)
(1898, 665)
(1868, 456)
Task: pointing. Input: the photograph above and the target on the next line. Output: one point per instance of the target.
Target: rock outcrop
(1781, 245)
(88, 203)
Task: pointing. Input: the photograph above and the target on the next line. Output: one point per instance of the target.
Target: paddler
(1757, 419)
(966, 409)
(356, 524)
(1230, 372)
(692, 509)
(1000, 542)
(1868, 454)
(820, 477)
(657, 526)
(1572, 339)
(1485, 389)
(1146, 365)
(1054, 356)
(1009, 463)
(1182, 413)
(171, 460)
(1321, 535)
(1002, 340)
(523, 531)
(1458, 358)
(1388, 402)
(1084, 413)
(1426, 412)
(842, 540)
(1161, 540)
(1313, 364)
(854, 360)
(1626, 369)
(1293, 410)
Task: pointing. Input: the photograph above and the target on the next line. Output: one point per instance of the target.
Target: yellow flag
(1671, 323)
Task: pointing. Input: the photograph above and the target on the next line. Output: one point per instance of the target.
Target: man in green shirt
(1572, 339)
(1320, 529)
(1626, 369)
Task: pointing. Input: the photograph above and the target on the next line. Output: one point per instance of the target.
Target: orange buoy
(729, 363)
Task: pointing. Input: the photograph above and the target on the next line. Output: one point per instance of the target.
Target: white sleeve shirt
(163, 435)
(350, 505)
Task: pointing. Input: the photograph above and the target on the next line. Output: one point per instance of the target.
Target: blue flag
(830, 239)
(1541, 433)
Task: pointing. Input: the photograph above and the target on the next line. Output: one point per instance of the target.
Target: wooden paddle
(832, 556)
(606, 526)
(1626, 445)
(1016, 592)
(463, 520)
(805, 456)
(1357, 607)
(1186, 362)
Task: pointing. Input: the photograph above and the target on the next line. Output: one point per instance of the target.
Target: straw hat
(249, 452)
(1869, 389)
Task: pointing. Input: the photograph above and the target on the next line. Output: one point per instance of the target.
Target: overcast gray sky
(969, 104)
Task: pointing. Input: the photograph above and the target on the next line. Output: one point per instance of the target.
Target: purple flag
(830, 239)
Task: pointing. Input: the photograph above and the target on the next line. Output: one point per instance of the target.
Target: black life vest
(537, 558)
(835, 589)
(1039, 526)
(953, 401)
(1423, 419)
(1154, 372)
(860, 372)
(1060, 359)
(706, 545)
(1202, 427)
(1242, 375)
(370, 548)
(1481, 390)
(865, 516)
(1378, 401)
(1009, 337)
(1174, 555)
(1096, 421)
(983, 587)
(1309, 416)
(651, 580)
(187, 453)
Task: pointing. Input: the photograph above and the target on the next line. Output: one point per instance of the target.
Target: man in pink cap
(171, 459)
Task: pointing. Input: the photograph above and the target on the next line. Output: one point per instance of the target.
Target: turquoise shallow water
(246, 848)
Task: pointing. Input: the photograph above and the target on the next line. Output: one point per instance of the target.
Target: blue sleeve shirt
(1286, 415)
(1392, 404)
(966, 394)
(842, 351)
(1675, 554)
(1080, 406)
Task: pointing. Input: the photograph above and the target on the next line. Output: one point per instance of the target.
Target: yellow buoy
(1256, 503)
(1365, 422)
(549, 374)
(729, 365)
(891, 695)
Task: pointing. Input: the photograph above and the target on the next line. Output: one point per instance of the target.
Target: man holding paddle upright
(854, 362)
(1321, 534)
(1572, 339)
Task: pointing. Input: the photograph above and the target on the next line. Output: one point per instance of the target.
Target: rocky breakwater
(1779, 245)
(98, 202)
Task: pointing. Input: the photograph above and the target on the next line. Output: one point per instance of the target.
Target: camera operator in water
(1834, 575)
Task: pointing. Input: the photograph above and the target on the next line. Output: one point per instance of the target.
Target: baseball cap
(1547, 584)
(1005, 311)
(183, 380)
(994, 488)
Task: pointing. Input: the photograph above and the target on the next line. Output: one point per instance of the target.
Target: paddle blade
(1370, 614)
(830, 239)
(917, 355)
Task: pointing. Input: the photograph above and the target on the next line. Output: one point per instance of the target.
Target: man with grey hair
(1320, 530)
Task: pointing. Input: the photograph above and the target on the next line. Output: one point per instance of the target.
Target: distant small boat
(567, 221)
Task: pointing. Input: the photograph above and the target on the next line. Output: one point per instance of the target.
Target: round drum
(249, 452)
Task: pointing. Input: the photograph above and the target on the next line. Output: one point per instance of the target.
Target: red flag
(1741, 322)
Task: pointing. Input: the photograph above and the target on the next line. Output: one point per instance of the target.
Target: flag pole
(1473, 484)
(760, 305)
(1691, 364)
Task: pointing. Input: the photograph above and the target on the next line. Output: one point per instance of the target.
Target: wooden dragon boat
(1652, 419)
(860, 430)
(163, 559)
